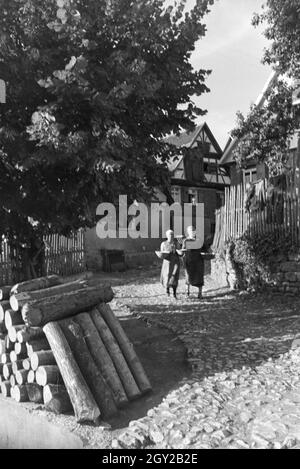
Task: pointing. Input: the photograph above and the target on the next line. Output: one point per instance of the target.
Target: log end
(56, 399)
(35, 393)
(20, 394)
(5, 388)
(31, 316)
(31, 377)
(14, 303)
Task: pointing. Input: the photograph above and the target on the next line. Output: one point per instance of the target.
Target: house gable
(200, 163)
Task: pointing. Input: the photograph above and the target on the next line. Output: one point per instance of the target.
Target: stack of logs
(61, 345)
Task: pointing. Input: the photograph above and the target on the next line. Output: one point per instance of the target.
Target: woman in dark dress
(193, 262)
(171, 264)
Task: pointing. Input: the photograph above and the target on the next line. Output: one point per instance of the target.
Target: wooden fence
(5, 265)
(63, 256)
(268, 209)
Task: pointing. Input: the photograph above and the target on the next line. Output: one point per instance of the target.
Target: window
(249, 175)
(176, 194)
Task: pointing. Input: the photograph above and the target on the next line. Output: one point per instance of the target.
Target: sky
(232, 49)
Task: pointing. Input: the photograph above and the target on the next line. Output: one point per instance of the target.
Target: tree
(92, 88)
(282, 19)
(265, 133)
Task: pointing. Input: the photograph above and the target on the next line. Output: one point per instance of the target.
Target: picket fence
(63, 256)
(274, 211)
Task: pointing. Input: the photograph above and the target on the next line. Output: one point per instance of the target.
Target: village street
(244, 389)
(147, 147)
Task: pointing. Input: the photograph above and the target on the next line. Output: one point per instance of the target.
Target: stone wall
(285, 276)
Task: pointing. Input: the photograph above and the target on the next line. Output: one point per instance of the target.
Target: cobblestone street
(244, 391)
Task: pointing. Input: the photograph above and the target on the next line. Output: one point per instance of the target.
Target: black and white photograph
(150, 228)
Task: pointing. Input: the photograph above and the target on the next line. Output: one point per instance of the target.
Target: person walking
(171, 264)
(193, 262)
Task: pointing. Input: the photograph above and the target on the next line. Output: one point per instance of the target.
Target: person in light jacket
(171, 264)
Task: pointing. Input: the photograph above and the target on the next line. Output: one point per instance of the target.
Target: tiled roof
(185, 139)
(188, 139)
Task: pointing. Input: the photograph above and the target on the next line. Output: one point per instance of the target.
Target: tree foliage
(265, 133)
(282, 20)
(92, 87)
(253, 256)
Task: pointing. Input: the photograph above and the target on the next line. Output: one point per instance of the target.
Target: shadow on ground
(164, 359)
(227, 331)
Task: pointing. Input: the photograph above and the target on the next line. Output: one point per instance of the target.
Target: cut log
(9, 345)
(7, 370)
(102, 359)
(5, 292)
(12, 389)
(44, 357)
(4, 305)
(5, 358)
(28, 334)
(37, 346)
(12, 333)
(20, 349)
(31, 377)
(35, 393)
(2, 346)
(36, 284)
(115, 353)
(91, 373)
(17, 301)
(39, 312)
(21, 376)
(12, 318)
(126, 346)
(48, 374)
(12, 380)
(16, 366)
(5, 388)
(13, 356)
(26, 364)
(20, 393)
(83, 402)
(56, 399)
